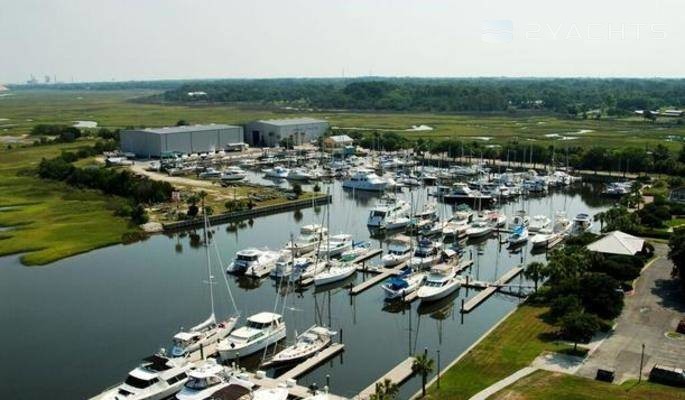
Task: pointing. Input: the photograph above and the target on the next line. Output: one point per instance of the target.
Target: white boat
(520, 219)
(157, 377)
(441, 282)
(462, 193)
(496, 218)
(358, 249)
(457, 226)
(399, 251)
(307, 270)
(253, 260)
(233, 174)
(209, 380)
(209, 331)
(582, 223)
(519, 235)
(277, 172)
(261, 331)
(303, 174)
(539, 222)
(210, 173)
(334, 272)
(479, 228)
(365, 179)
(278, 393)
(389, 213)
(307, 344)
(336, 245)
(426, 254)
(398, 287)
(309, 239)
(285, 266)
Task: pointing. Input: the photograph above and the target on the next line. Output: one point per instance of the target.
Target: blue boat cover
(397, 283)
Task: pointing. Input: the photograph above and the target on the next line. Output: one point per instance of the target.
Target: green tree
(578, 326)
(386, 390)
(423, 365)
(601, 295)
(297, 189)
(676, 254)
(535, 271)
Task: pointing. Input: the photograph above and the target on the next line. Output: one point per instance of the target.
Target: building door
(255, 138)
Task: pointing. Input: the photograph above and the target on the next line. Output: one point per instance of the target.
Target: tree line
(571, 96)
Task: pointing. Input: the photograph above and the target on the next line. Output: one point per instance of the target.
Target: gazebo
(618, 242)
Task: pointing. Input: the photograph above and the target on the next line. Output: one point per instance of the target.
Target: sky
(104, 40)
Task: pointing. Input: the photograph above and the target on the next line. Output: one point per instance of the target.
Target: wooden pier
(382, 275)
(294, 390)
(491, 289)
(312, 362)
(397, 375)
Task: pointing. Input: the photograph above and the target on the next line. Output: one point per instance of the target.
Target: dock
(381, 276)
(312, 362)
(397, 375)
(294, 390)
(491, 289)
(461, 267)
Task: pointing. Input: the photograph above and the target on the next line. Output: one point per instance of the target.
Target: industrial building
(188, 139)
(271, 132)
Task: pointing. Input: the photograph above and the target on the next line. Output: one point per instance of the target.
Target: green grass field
(111, 109)
(51, 220)
(513, 345)
(542, 385)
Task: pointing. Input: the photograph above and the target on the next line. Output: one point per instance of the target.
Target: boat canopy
(208, 322)
(397, 283)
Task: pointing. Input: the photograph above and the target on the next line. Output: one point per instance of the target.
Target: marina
(170, 291)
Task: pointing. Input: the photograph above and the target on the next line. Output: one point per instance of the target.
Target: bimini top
(264, 318)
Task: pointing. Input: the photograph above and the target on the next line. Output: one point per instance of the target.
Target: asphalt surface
(654, 309)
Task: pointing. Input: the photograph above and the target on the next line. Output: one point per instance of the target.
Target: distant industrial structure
(271, 132)
(154, 142)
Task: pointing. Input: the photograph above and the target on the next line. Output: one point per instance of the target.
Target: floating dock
(382, 275)
(491, 289)
(294, 390)
(397, 375)
(459, 269)
(312, 362)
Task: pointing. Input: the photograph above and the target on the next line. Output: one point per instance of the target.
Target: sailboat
(307, 344)
(209, 331)
(335, 270)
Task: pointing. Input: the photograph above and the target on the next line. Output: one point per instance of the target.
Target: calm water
(79, 325)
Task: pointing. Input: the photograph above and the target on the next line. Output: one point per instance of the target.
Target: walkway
(496, 387)
(649, 314)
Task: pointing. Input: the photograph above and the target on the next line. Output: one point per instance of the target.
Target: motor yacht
(209, 331)
(210, 173)
(277, 172)
(399, 251)
(261, 331)
(457, 226)
(335, 245)
(440, 283)
(358, 249)
(233, 174)
(539, 222)
(365, 179)
(285, 266)
(582, 223)
(253, 260)
(157, 377)
(307, 344)
(463, 194)
(310, 238)
(398, 287)
(480, 227)
(303, 174)
(390, 213)
(427, 253)
(211, 380)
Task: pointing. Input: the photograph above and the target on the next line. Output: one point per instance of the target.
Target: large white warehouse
(271, 132)
(153, 142)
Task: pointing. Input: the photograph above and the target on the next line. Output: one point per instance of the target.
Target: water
(79, 325)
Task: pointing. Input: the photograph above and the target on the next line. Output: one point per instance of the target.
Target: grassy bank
(547, 385)
(513, 345)
(112, 109)
(51, 220)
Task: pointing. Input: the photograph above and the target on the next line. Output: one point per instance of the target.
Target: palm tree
(386, 390)
(601, 216)
(535, 271)
(424, 366)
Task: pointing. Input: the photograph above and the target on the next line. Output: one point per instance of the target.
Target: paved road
(654, 309)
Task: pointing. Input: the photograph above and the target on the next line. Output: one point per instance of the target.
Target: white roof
(341, 138)
(617, 242)
(264, 317)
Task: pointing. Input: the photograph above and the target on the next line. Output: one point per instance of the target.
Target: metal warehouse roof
(188, 128)
(292, 121)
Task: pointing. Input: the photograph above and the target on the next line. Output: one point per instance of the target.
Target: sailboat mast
(209, 265)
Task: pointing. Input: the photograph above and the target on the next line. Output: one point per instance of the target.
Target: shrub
(297, 189)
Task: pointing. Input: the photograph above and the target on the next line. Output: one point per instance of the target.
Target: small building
(618, 242)
(674, 113)
(270, 132)
(338, 142)
(677, 195)
(188, 139)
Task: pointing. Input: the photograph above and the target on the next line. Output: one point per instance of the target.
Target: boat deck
(310, 363)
